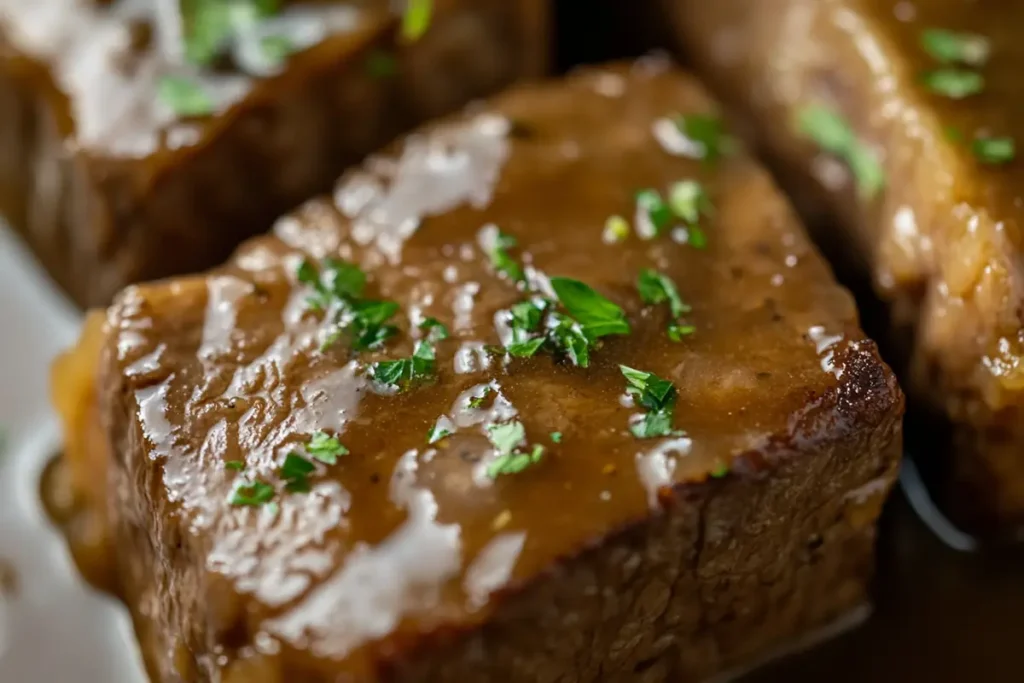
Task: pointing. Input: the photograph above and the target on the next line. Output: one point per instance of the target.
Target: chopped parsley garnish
(381, 64)
(568, 336)
(589, 316)
(185, 97)
(707, 133)
(401, 373)
(676, 332)
(656, 288)
(526, 317)
(252, 493)
(211, 25)
(416, 19)
(276, 49)
(295, 471)
(435, 330)
(527, 348)
(507, 439)
(994, 150)
(616, 229)
(830, 132)
(556, 437)
(339, 285)
(478, 401)
(338, 281)
(442, 428)
(236, 465)
(658, 396)
(952, 47)
(325, 448)
(502, 261)
(954, 83)
(653, 214)
(366, 321)
(720, 470)
(597, 316)
(689, 200)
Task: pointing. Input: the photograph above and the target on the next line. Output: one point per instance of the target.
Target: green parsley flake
(514, 463)
(381, 64)
(211, 25)
(653, 424)
(597, 316)
(236, 465)
(689, 201)
(416, 19)
(401, 373)
(295, 471)
(954, 83)
(952, 47)
(506, 439)
(556, 437)
(526, 315)
(442, 428)
(502, 261)
(833, 135)
(435, 329)
(252, 494)
(185, 97)
(507, 436)
(339, 286)
(656, 288)
(616, 229)
(652, 391)
(658, 396)
(208, 27)
(337, 282)
(677, 332)
(276, 49)
(325, 448)
(707, 133)
(590, 317)
(999, 150)
(525, 318)
(653, 215)
(525, 349)
(569, 337)
(478, 401)
(720, 470)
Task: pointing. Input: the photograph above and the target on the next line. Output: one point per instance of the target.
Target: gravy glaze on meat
(125, 160)
(931, 92)
(741, 526)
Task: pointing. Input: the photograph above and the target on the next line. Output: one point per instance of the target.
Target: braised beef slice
(747, 530)
(110, 187)
(942, 240)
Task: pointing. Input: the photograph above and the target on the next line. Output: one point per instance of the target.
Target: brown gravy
(940, 615)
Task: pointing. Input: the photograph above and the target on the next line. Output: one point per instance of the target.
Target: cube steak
(943, 239)
(109, 185)
(442, 546)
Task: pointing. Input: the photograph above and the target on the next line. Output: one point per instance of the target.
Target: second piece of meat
(900, 119)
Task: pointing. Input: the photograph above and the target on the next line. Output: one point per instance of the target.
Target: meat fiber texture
(745, 529)
(942, 238)
(110, 186)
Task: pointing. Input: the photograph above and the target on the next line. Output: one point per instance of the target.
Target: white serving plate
(53, 628)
